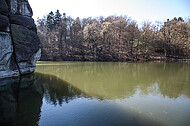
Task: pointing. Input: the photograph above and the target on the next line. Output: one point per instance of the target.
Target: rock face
(19, 43)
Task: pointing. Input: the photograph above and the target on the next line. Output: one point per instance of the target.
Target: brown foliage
(115, 38)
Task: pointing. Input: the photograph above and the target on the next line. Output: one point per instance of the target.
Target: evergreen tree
(175, 19)
(180, 19)
(50, 21)
(57, 18)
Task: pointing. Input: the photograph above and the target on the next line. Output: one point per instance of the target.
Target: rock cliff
(19, 43)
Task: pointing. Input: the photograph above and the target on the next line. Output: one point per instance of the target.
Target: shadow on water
(21, 101)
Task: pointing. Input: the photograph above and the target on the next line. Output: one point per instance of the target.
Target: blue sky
(139, 10)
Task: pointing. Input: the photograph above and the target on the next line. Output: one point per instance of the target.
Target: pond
(98, 94)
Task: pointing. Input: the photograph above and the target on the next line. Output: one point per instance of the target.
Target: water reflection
(23, 100)
(98, 94)
(20, 101)
(120, 80)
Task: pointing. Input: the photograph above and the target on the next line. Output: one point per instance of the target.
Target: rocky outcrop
(3, 7)
(8, 65)
(19, 43)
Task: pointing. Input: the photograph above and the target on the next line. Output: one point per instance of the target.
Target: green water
(99, 94)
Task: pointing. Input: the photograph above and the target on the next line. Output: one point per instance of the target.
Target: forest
(113, 38)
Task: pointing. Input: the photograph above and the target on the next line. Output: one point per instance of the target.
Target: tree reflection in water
(21, 99)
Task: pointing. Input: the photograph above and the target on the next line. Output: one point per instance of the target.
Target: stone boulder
(4, 25)
(19, 43)
(26, 44)
(25, 21)
(21, 7)
(3, 7)
(8, 66)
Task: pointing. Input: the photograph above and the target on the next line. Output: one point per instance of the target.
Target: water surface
(98, 94)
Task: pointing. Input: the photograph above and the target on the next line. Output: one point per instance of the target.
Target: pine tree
(180, 19)
(57, 18)
(50, 21)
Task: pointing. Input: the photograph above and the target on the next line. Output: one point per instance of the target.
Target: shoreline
(130, 61)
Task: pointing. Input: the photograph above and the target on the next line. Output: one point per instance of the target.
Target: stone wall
(19, 43)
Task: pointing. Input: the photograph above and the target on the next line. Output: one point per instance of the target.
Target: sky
(139, 10)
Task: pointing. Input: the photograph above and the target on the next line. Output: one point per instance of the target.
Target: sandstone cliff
(19, 43)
